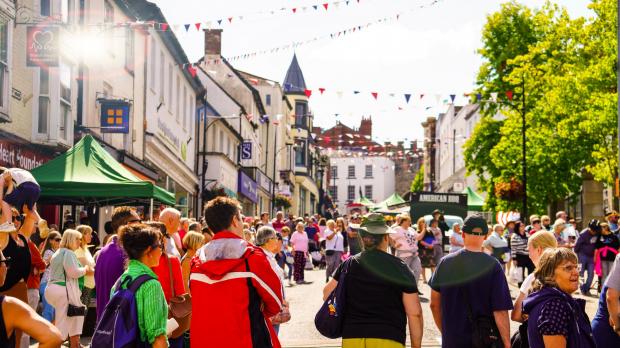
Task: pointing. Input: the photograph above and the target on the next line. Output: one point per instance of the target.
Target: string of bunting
(334, 35)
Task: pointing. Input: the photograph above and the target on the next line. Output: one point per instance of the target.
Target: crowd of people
(147, 277)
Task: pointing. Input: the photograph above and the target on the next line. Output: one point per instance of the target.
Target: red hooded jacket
(234, 292)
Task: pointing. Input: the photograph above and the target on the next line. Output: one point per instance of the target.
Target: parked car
(450, 220)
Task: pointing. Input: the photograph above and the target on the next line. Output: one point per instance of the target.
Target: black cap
(594, 225)
(475, 221)
(437, 211)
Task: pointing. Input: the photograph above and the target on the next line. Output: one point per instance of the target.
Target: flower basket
(509, 191)
(217, 191)
(282, 202)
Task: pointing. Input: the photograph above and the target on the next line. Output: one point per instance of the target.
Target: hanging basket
(511, 190)
(282, 201)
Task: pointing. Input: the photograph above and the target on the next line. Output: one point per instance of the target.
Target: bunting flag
(326, 5)
(197, 25)
(321, 90)
(452, 96)
(407, 97)
(308, 93)
(186, 27)
(374, 95)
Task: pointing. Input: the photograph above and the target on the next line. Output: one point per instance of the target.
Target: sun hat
(373, 223)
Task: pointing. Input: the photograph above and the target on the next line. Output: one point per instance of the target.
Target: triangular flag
(339, 94)
(397, 16)
(219, 21)
(356, 92)
(192, 70)
(230, 19)
(452, 96)
(308, 93)
(325, 5)
(163, 26)
(315, 7)
(374, 94)
(421, 96)
(321, 90)
(407, 96)
(509, 95)
(197, 26)
(347, 2)
(294, 10)
(175, 27)
(186, 27)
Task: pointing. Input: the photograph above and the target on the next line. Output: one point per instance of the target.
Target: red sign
(14, 155)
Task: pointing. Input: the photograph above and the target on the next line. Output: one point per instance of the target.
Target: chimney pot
(213, 42)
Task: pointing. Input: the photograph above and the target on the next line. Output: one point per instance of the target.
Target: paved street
(305, 300)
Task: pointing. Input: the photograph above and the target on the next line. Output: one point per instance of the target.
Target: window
(334, 172)
(162, 76)
(368, 171)
(178, 88)
(301, 109)
(184, 101)
(44, 101)
(108, 20)
(169, 83)
(65, 100)
(300, 154)
(46, 8)
(221, 141)
(192, 113)
(129, 50)
(368, 191)
(67, 11)
(333, 192)
(351, 172)
(153, 63)
(4, 65)
(227, 146)
(268, 99)
(351, 193)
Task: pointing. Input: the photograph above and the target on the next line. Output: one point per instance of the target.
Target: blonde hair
(403, 217)
(419, 222)
(543, 239)
(69, 237)
(193, 240)
(331, 224)
(84, 230)
(544, 275)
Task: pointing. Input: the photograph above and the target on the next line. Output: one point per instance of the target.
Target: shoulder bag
(72, 310)
(485, 333)
(328, 320)
(180, 307)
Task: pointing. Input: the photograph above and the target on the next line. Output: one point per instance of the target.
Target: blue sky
(430, 51)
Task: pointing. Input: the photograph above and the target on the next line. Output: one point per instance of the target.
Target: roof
(255, 94)
(294, 81)
(147, 11)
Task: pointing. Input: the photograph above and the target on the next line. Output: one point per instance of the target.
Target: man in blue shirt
(469, 286)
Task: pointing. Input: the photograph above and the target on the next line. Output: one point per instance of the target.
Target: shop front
(248, 194)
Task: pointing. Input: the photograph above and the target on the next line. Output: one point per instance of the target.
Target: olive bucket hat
(373, 223)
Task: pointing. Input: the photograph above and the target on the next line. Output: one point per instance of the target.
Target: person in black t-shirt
(381, 293)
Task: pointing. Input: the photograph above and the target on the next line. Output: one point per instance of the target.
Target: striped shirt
(150, 302)
(518, 244)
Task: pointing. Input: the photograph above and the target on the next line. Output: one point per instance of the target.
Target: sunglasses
(17, 218)
(57, 239)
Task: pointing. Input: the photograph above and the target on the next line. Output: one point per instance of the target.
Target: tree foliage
(417, 184)
(562, 73)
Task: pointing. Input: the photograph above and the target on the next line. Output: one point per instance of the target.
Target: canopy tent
(474, 201)
(88, 174)
(395, 211)
(365, 202)
(391, 201)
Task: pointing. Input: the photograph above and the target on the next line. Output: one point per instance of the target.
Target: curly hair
(550, 259)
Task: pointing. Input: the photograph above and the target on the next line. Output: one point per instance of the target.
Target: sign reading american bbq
(42, 42)
(13, 155)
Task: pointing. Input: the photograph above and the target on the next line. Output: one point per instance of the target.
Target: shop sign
(114, 116)
(246, 150)
(247, 187)
(263, 181)
(19, 156)
(42, 46)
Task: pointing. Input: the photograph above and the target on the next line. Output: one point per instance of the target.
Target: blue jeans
(281, 262)
(48, 310)
(587, 264)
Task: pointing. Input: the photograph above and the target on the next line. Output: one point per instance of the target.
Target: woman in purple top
(112, 259)
(556, 319)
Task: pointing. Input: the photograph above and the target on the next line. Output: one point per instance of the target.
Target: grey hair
(550, 259)
(264, 234)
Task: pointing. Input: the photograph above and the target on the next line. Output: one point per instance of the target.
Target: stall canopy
(391, 201)
(88, 174)
(474, 201)
(365, 202)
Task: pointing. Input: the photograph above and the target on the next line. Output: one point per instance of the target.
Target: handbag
(485, 333)
(329, 318)
(72, 310)
(516, 274)
(180, 307)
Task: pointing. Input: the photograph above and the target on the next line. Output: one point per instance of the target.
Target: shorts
(27, 193)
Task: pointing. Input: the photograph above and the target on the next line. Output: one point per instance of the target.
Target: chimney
(213, 42)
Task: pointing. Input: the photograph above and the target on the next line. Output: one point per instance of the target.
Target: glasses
(17, 218)
(159, 246)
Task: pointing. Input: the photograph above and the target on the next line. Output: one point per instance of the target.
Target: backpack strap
(136, 283)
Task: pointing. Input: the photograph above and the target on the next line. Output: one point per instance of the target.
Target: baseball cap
(594, 225)
(373, 223)
(475, 221)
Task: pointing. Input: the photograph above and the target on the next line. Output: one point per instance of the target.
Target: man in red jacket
(234, 289)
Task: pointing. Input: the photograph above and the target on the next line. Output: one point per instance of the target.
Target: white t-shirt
(21, 176)
(406, 240)
(527, 284)
(336, 243)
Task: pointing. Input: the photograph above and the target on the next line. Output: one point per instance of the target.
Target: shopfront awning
(87, 174)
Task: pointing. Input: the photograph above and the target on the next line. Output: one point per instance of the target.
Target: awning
(138, 174)
(87, 174)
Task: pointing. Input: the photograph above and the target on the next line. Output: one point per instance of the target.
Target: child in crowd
(18, 188)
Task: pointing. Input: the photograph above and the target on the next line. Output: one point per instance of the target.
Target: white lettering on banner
(433, 198)
(168, 134)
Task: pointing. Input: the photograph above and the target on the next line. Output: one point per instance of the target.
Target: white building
(372, 176)
(453, 128)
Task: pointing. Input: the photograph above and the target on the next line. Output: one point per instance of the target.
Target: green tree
(562, 76)
(417, 184)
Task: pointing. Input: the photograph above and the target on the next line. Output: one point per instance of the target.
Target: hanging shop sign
(246, 150)
(114, 116)
(263, 181)
(42, 44)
